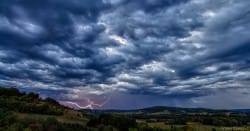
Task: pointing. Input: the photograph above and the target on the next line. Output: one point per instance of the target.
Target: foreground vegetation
(28, 112)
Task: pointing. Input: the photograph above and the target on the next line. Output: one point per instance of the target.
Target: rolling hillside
(28, 112)
(166, 110)
(21, 111)
(183, 116)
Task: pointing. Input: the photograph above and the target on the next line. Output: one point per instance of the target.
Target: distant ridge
(241, 110)
(155, 109)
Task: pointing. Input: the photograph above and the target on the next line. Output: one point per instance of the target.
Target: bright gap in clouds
(118, 39)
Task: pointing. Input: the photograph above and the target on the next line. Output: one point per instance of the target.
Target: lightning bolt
(90, 104)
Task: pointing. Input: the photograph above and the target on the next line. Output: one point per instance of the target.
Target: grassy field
(68, 117)
(195, 127)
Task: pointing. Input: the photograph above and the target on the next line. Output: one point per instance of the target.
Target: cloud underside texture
(137, 53)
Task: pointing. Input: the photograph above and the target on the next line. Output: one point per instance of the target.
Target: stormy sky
(127, 54)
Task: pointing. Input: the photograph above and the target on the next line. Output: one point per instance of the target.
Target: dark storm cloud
(173, 49)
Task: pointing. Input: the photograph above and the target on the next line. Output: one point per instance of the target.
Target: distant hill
(182, 116)
(160, 109)
(241, 110)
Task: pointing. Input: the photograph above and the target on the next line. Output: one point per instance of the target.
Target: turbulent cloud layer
(128, 53)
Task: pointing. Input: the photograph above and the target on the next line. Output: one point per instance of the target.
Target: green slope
(21, 111)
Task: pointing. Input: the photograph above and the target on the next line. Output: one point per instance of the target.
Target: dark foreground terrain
(28, 112)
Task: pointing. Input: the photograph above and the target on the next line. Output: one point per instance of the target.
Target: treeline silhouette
(13, 100)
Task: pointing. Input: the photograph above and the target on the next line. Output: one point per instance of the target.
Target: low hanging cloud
(179, 53)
